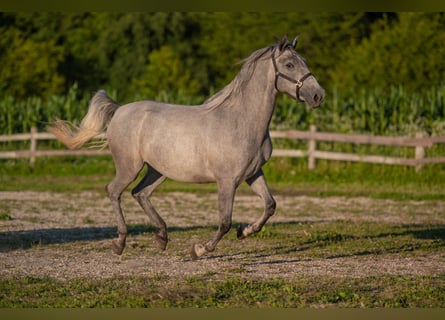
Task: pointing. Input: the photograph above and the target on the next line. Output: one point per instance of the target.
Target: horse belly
(179, 160)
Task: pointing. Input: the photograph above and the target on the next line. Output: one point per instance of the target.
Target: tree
(165, 72)
(30, 68)
(116, 50)
(408, 52)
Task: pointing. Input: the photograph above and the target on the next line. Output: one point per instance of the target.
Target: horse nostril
(318, 98)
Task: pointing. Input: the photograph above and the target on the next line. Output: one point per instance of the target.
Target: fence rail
(420, 143)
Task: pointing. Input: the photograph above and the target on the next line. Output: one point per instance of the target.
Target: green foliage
(396, 112)
(92, 49)
(164, 71)
(399, 112)
(30, 67)
(407, 52)
(113, 50)
(19, 115)
(393, 111)
(382, 72)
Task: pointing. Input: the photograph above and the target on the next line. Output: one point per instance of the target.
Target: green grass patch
(332, 178)
(5, 215)
(203, 291)
(290, 176)
(343, 238)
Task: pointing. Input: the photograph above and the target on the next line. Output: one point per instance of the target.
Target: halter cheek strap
(298, 83)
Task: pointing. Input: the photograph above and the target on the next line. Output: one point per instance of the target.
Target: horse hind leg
(124, 176)
(142, 193)
(259, 186)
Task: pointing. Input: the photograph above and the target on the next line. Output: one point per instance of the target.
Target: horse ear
(295, 41)
(282, 44)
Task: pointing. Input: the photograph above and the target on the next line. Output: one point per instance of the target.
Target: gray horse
(225, 140)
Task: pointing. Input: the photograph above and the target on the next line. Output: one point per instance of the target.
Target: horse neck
(257, 99)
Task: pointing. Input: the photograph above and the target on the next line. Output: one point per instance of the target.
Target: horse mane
(235, 87)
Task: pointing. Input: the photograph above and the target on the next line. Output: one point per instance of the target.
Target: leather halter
(298, 83)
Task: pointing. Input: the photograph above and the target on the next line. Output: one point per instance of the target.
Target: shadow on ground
(26, 239)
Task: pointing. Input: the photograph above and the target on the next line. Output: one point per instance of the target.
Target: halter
(298, 83)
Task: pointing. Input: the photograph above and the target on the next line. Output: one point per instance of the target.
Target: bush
(406, 53)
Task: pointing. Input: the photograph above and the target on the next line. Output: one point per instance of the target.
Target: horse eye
(289, 65)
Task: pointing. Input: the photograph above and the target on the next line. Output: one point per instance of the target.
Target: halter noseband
(298, 83)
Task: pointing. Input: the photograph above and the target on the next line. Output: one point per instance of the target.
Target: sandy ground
(68, 236)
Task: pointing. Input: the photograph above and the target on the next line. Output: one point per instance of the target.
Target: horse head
(292, 74)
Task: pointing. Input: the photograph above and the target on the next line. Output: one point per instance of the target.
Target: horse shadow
(27, 239)
(417, 231)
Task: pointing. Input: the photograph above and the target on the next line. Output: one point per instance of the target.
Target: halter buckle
(299, 83)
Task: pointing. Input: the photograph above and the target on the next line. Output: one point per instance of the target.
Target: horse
(224, 140)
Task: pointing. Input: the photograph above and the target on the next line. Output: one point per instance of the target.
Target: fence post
(419, 153)
(312, 146)
(33, 147)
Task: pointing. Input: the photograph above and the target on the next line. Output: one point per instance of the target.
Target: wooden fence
(33, 152)
(420, 143)
(312, 136)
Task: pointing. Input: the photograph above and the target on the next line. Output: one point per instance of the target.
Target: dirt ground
(69, 235)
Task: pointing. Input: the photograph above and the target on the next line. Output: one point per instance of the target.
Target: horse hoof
(197, 251)
(240, 234)
(117, 247)
(161, 242)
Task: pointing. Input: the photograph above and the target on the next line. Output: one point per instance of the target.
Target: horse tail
(100, 112)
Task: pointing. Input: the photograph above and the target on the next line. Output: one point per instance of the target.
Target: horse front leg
(259, 186)
(226, 195)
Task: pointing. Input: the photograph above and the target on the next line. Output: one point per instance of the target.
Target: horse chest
(257, 156)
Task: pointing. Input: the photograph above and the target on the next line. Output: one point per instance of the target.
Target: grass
(142, 292)
(289, 176)
(5, 216)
